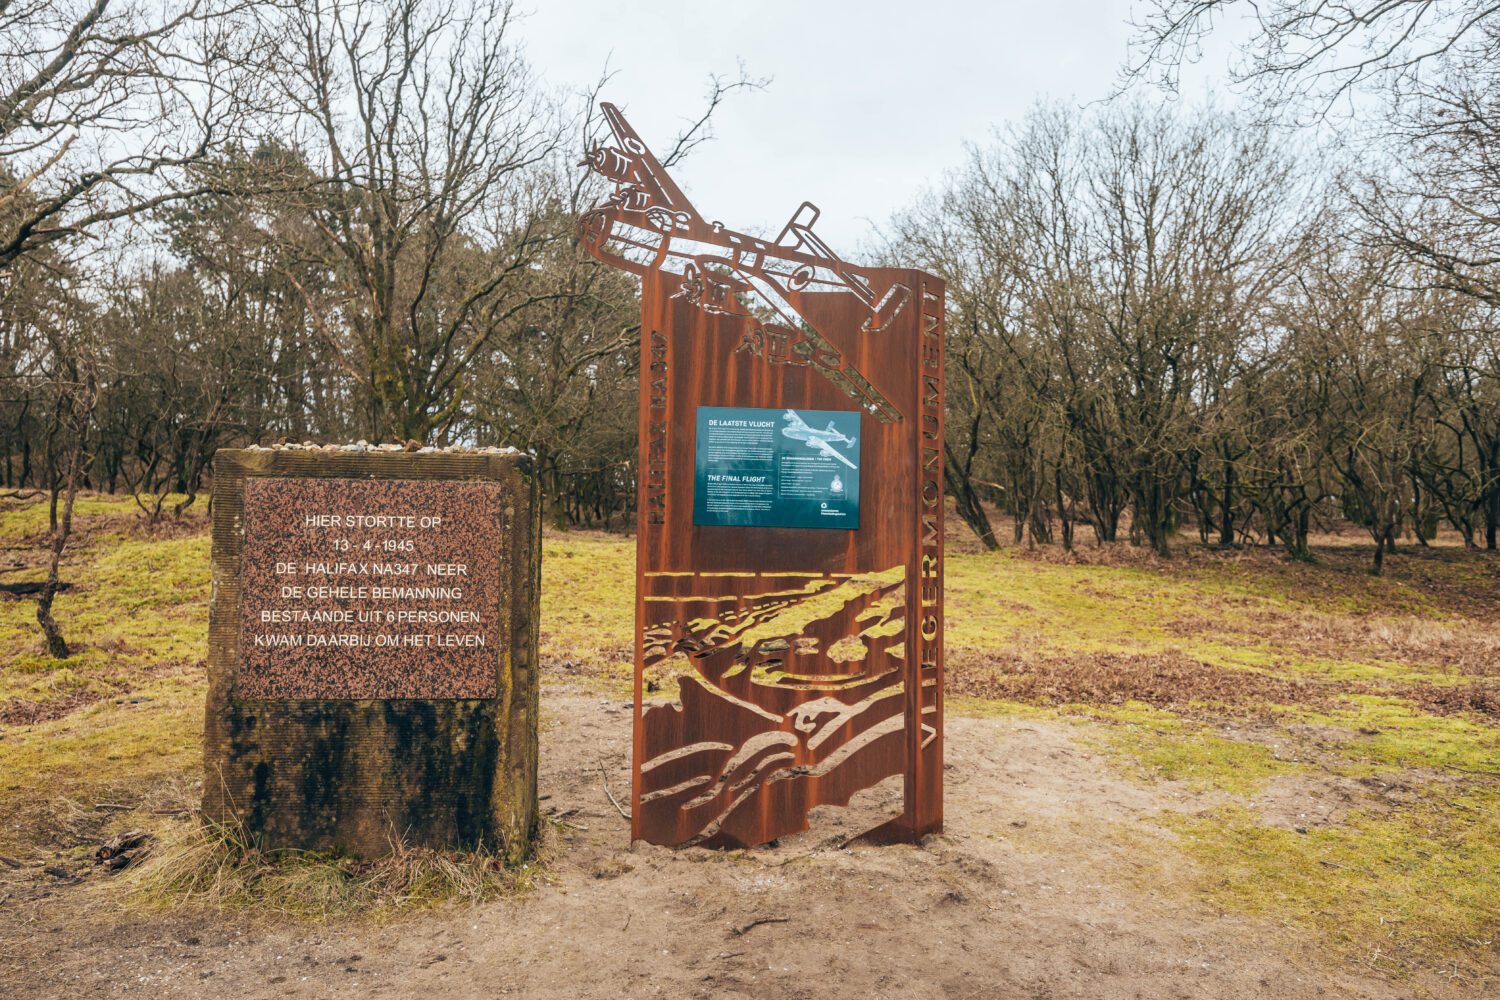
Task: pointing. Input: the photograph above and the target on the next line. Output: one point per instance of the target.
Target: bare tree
(104, 102)
(72, 375)
(1438, 203)
(1312, 54)
(1436, 66)
(1116, 261)
(422, 125)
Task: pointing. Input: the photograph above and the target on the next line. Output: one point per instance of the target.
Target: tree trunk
(1492, 520)
(966, 501)
(1153, 517)
(557, 505)
(1062, 509)
(57, 646)
(1201, 495)
(1301, 551)
(1226, 508)
(1105, 514)
(1385, 541)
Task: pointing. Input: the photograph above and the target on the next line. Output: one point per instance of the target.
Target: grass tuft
(215, 866)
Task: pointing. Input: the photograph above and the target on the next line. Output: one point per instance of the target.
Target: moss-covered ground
(1345, 729)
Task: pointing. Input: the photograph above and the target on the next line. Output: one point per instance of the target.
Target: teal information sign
(776, 468)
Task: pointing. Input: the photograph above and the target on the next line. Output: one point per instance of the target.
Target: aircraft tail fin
(799, 227)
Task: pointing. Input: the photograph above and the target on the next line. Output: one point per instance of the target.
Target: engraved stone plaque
(369, 589)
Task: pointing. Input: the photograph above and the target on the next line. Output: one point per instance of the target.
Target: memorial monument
(790, 547)
(373, 648)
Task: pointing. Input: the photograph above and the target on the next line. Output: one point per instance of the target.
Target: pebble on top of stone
(362, 445)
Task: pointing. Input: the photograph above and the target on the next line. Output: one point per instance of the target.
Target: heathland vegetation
(1335, 733)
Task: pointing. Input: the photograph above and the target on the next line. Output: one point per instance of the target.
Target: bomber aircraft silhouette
(798, 430)
(647, 224)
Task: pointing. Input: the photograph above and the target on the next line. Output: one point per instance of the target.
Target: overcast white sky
(870, 101)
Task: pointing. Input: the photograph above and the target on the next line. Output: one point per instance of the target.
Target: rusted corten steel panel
(777, 669)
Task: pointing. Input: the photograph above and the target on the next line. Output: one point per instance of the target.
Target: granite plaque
(369, 589)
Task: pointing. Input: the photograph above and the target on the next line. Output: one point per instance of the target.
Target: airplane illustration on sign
(798, 430)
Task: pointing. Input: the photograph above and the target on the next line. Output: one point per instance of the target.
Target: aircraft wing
(830, 451)
(653, 178)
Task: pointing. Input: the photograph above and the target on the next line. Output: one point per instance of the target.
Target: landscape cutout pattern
(806, 664)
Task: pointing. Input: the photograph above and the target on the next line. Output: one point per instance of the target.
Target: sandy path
(1030, 893)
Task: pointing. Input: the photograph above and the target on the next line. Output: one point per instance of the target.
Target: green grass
(29, 520)
(1412, 880)
(1007, 602)
(1415, 883)
(1162, 745)
(588, 605)
(154, 730)
(1392, 736)
(135, 602)
(1400, 889)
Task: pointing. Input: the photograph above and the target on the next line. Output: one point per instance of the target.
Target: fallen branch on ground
(119, 844)
(758, 921)
(613, 801)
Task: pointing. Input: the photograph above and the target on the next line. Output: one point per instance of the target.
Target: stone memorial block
(373, 648)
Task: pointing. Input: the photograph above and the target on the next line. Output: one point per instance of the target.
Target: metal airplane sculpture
(798, 430)
(647, 224)
(777, 670)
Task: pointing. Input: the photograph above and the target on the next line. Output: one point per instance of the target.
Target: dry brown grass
(1480, 699)
(23, 712)
(1178, 682)
(202, 864)
(1168, 680)
(1465, 646)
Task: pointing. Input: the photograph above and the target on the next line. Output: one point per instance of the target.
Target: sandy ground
(1050, 881)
